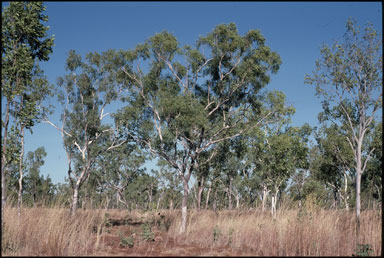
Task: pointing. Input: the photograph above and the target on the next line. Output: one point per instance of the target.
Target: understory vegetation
(310, 231)
(184, 149)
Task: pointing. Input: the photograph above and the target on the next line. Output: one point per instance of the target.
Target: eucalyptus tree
(194, 98)
(86, 92)
(25, 42)
(281, 152)
(168, 183)
(230, 162)
(348, 79)
(119, 167)
(34, 181)
(372, 180)
(334, 166)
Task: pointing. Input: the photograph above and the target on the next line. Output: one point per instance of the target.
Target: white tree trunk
(183, 226)
(230, 195)
(273, 208)
(199, 192)
(20, 197)
(75, 199)
(265, 195)
(207, 200)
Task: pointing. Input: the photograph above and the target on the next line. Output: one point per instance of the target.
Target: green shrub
(216, 233)
(147, 234)
(363, 250)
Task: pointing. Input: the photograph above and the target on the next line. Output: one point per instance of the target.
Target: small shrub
(230, 232)
(163, 223)
(363, 250)
(127, 241)
(107, 220)
(147, 234)
(216, 233)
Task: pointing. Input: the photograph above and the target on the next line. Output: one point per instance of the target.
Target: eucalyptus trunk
(273, 208)
(207, 200)
(75, 198)
(230, 195)
(238, 201)
(20, 196)
(199, 192)
(3, 163)
(359, 172)
(184, 213)
(265, 194)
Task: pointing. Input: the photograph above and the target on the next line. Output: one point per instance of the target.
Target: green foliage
(230, 232)
(24, 41)
(127, 241)
(177, 117)
(363, 250)
(332, 161)
(147, 233)
(216, 233)
(107, 220)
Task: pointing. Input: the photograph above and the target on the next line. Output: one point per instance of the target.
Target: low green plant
(230, 232)
(216, 233)
(147, 233)
(126, 241)
(163, 223)
(107, 220)
(363, 250)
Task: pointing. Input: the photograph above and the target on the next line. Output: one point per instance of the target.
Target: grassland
(316, 232)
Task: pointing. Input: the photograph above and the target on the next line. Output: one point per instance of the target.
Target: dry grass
(313, 233)
(50, 231)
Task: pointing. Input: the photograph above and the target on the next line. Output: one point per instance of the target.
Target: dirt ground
(157, 243)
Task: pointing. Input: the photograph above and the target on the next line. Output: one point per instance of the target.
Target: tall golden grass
(309, 232)
(50, 232)
(293, 233)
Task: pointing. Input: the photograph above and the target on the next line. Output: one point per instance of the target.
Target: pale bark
(4, 163)
(184, 207)
(230, 195)
(238, 200)
(273, 208)
(199, 192)
(265, 195)
(20, 196)
(215, 201)
(75, 199)
(159, 200)
(207, 200)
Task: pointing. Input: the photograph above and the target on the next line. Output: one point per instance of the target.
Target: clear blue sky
(295, 30)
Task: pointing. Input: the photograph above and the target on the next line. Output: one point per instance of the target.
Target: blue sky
(295, 30)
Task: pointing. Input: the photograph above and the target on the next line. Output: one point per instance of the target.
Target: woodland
(227, 154)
